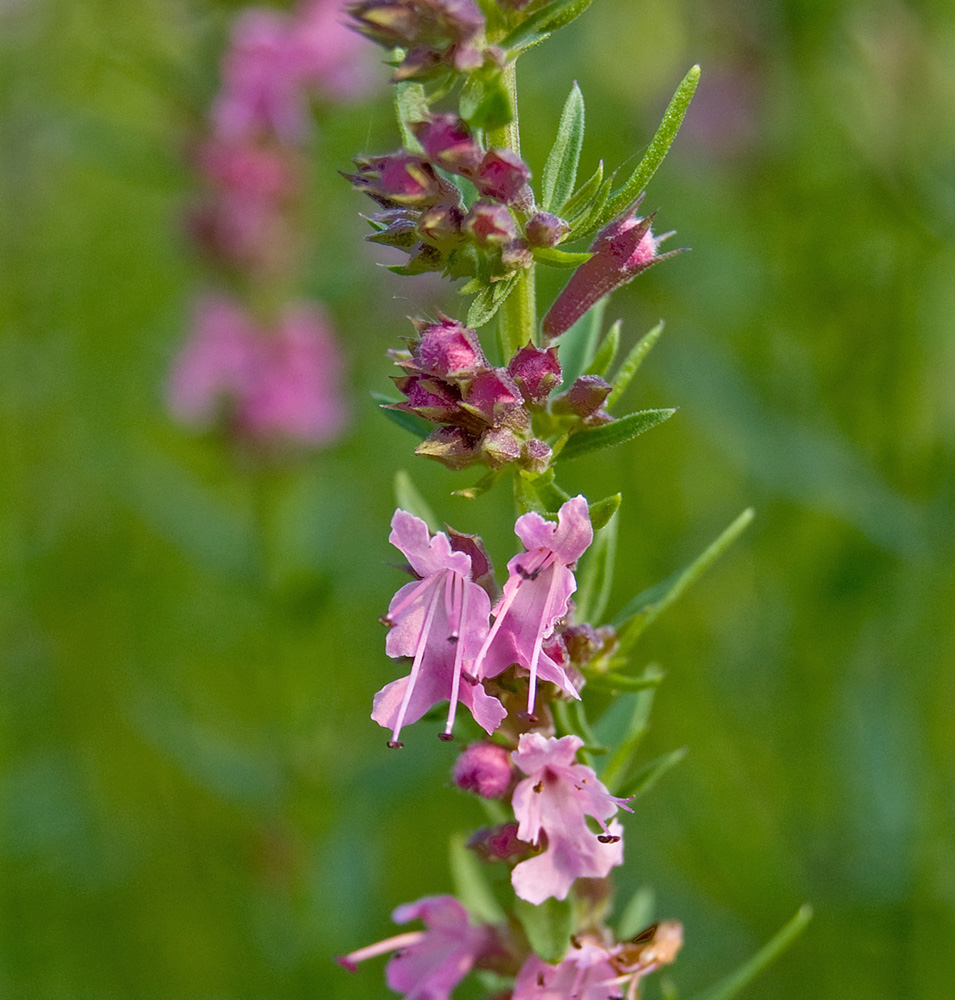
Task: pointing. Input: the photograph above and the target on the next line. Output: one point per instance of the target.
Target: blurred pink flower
(554, 800)
(265, 385)
(428, 964)
(330, 56)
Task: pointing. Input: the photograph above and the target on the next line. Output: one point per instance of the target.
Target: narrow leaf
(596, 576)
(604, 358)
(646, 607)
(487, 302)
(471, 885)
(632, 363)
(625, 196)
(601, 511)
(584, 442)
(729, 987)
(560, 170)
(543, 22)
(410, 499)
(409, 421)
(581, 201)
(548, 926)
(615, 683)
(587, 225)
(411, 105)
(552, 257)
(646, 777)
(624, 725)
(480, 487)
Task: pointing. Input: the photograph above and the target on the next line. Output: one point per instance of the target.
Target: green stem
(517, 319)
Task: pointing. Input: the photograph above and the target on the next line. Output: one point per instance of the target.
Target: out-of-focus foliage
(195, 803)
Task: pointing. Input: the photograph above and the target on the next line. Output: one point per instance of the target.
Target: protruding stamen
(351, 960)
(416, 665)
(541, 629)
(410, 597)
(457, 619)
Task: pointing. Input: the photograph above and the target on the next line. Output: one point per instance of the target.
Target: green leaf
(410, 499)
(729, 987)
(409, 421)
(615, 683)
(543, 22)
(411, 105)
(587, 225)
(560, 170)
(596, 576)
(647, 606)
(623, 725)
(603, 510)
(632, 362)
(548, 926)
(552, 257)
(539, 493)
(480, 487)
(625, 196)
(581, 201)
(471, 885)
(609, 435)
(634, 785)
(487, 302)
(637, 914)
(604, 358)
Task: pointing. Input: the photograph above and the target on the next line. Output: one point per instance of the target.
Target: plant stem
(517, 319)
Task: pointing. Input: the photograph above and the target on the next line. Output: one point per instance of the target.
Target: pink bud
(489, 225)
(485, 769)
(448, 142)
(545, 230)
(536, 372)
(503, 175)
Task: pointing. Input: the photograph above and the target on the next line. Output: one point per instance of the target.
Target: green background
(194, 801)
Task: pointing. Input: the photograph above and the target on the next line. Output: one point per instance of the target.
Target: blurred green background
(194, 801)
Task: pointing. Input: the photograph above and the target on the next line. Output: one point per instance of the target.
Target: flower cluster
(487, 413)
(427, 216)
(261, 367)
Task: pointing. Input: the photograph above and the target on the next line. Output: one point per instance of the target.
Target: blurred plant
(527, 662)
(260, 366)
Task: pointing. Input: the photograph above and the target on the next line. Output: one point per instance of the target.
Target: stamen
(416, 665)
(541, 628)
(351, 960)
(458, 623)
(409, 598)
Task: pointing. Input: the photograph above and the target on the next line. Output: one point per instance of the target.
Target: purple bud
(584, 398)
(447, 141)
(485, 769)
(428, 398)
(498, 843)
(441, 225)
(499, 447)
(451, 446)
(449, 350)
(536, 456)
(503, 175)
(482, 570)
(536, 371)
(489, 225)
(401, 179)
(622, 250)
(516, 255)
(494, 397)
(545, 230)
(395, 227)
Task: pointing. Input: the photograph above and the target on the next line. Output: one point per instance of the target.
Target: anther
(607, 838)
(446, 737)
(395, 744)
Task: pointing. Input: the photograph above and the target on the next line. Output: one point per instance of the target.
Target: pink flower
(265, 385)
(329, 55)
(555, 799)
(621, 251)
(440, 621)
(594, 970)
(261, 93)
(538, 588)
(432, 962)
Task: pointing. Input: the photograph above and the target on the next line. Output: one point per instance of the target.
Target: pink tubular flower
(535, 596)
(266, 385)
(440, 621)
(555, 799)
(621, 251)
(429, 964)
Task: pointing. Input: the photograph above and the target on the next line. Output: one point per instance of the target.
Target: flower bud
(494, 397)
(489, 225)
(503, 175)
(536, 456)
(498, 843)
(499, 447)
(449, 350)
(485, 769)
(401, 179)
(516, 255)
(441, 225)
(545, 230)
(584, 398)
(451, 446)
(428, 398)
(536, 372)
(447, 141)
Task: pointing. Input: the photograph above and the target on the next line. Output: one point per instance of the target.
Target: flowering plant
(526, 660)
